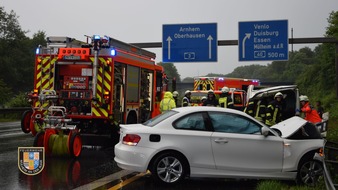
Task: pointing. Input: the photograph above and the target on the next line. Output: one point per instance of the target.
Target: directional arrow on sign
(247, 36)
(169, 40)
(210, 39)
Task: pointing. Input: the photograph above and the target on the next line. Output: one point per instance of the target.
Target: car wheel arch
(170, 151)
(307, 157)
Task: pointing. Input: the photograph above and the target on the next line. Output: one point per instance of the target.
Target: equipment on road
(83, 91)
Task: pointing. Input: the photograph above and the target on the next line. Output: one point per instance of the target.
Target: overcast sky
(137, 21)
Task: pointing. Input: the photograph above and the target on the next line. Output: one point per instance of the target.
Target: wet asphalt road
(58, 173)
(95, 164)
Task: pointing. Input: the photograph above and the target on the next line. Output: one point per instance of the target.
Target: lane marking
(127, 181)
(104, 180)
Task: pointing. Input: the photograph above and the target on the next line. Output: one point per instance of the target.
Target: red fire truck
(217, 83)
(238, 87)
(82, 91)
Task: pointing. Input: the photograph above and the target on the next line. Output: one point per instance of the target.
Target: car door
(239, 146)
(193, 139)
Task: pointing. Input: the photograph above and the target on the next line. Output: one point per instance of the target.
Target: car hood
(290, 126)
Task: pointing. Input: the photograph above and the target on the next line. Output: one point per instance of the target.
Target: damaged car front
(302, 142)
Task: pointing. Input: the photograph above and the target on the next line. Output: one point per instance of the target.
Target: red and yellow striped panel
(44, 79)
(104, 82)
(204, 84)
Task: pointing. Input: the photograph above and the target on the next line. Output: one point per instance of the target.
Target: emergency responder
(274, 110)
(256, 109)
(168, 102)
(250, 108)
(203, 99)
(186, 99)
(311, 113)
(225, 101)
(320, 109)
(211, 100)
(175, 96)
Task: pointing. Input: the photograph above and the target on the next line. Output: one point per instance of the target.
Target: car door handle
(221, 140)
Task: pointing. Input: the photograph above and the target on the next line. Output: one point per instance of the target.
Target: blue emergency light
(113, 52)
(97, 37)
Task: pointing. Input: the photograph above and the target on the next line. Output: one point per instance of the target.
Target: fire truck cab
(94, 85)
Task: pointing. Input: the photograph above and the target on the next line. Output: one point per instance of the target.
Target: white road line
(104, 180)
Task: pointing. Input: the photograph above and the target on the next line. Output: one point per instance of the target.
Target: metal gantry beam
(315, 40)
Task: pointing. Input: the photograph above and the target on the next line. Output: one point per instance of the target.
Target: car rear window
(154, 121)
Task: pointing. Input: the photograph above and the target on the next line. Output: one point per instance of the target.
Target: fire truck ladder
(130, 48)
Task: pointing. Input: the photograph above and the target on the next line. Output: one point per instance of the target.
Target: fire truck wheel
(25, 121)
(48, 140)
(38, 139)
(75, 144)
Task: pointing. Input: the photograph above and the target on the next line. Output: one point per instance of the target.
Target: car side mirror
(265, 131)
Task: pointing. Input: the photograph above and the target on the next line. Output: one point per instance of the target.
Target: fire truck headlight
(113, 52)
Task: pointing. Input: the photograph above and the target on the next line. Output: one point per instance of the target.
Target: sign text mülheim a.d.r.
(263, 40)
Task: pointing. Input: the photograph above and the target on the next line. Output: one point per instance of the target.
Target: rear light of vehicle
(131, 139)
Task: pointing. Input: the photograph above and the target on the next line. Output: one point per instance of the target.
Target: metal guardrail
(14, 110)
(4, 112)
(330, 164)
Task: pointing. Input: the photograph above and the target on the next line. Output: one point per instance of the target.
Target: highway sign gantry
(189, 42)
(263, 40)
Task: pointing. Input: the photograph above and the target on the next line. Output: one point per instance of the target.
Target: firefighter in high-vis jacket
(225, 101)
(274, 110)
(256, 109)
(168, 102)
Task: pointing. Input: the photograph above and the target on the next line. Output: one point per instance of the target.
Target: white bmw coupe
(220, 143)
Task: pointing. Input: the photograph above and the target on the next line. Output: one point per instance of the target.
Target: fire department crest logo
(31, 160)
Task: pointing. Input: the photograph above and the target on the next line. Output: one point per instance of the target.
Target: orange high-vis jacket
(311, 114)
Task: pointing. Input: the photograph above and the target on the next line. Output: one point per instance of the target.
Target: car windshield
(154, 121)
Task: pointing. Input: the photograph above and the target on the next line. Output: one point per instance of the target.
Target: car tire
(309, 172)
(169, 168)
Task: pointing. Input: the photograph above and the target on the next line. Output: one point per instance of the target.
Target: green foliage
(5, 93)
(278, 185)
(18, 101)
(171, 71)
(17, 53)
(268, 185)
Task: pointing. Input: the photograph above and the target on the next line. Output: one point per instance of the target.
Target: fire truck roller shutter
(131, 116)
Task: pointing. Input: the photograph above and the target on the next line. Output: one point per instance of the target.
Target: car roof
(189, 109)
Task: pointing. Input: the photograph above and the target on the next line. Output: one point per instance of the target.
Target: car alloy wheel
(309, 172)
(169, 168)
